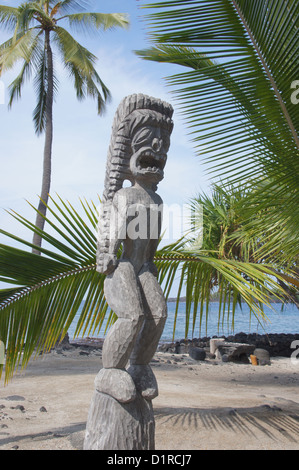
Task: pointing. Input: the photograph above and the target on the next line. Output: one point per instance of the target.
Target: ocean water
(278, 321)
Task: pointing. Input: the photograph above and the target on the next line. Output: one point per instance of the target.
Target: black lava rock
(199, 354)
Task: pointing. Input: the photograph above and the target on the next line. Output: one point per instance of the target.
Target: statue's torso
(142, 218)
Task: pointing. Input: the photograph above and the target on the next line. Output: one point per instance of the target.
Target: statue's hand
(110, 263)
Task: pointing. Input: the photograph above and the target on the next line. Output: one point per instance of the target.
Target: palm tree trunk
(46, 179)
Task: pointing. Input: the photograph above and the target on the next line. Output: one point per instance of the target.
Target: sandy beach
(202, 405)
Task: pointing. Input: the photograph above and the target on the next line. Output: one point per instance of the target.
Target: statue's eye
(143, 136)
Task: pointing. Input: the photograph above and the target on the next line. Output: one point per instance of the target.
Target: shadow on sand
(268, 420)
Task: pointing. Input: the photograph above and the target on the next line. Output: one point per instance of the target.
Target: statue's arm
(117, 233)
(154, 242)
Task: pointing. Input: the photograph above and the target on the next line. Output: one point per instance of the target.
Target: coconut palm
(237, 96)
(228, 235)
(46, 292)
(37, 27)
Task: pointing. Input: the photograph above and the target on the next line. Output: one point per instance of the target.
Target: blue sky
(81, 137)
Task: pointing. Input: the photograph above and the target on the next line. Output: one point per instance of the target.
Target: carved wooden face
(150, 145)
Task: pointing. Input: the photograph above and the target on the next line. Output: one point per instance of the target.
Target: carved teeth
(152, 169)
(151, 163)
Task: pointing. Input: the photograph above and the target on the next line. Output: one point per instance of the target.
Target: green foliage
(241, 58)
(51, 287)
(222, 256)
(29, 22)
(36, 26)
(47, 291)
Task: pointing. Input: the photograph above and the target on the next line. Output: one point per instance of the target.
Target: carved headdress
(133, 112)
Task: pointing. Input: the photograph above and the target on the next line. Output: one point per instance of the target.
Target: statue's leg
(119, 417)
(122, 292)
(155, 308)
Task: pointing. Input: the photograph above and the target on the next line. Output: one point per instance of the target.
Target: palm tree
(46, 292)
(228, 235)
(240, 61)
(37, 26)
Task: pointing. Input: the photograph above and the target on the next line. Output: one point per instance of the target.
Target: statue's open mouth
(152, 163)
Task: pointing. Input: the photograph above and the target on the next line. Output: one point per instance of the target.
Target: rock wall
(276, 344)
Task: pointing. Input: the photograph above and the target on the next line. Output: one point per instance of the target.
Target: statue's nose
(157, 144)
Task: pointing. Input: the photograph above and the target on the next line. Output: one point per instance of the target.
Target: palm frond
(8, 17)
(48, 291)
(273, 29)
(80, 62)
(250, 77)
(19, 48)
(237, 282)
(29, 64)
(29, 12)
(66, 6)
(96, 21)
(241, 59)
(40, 83)
(73, 51)
(51, 288)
